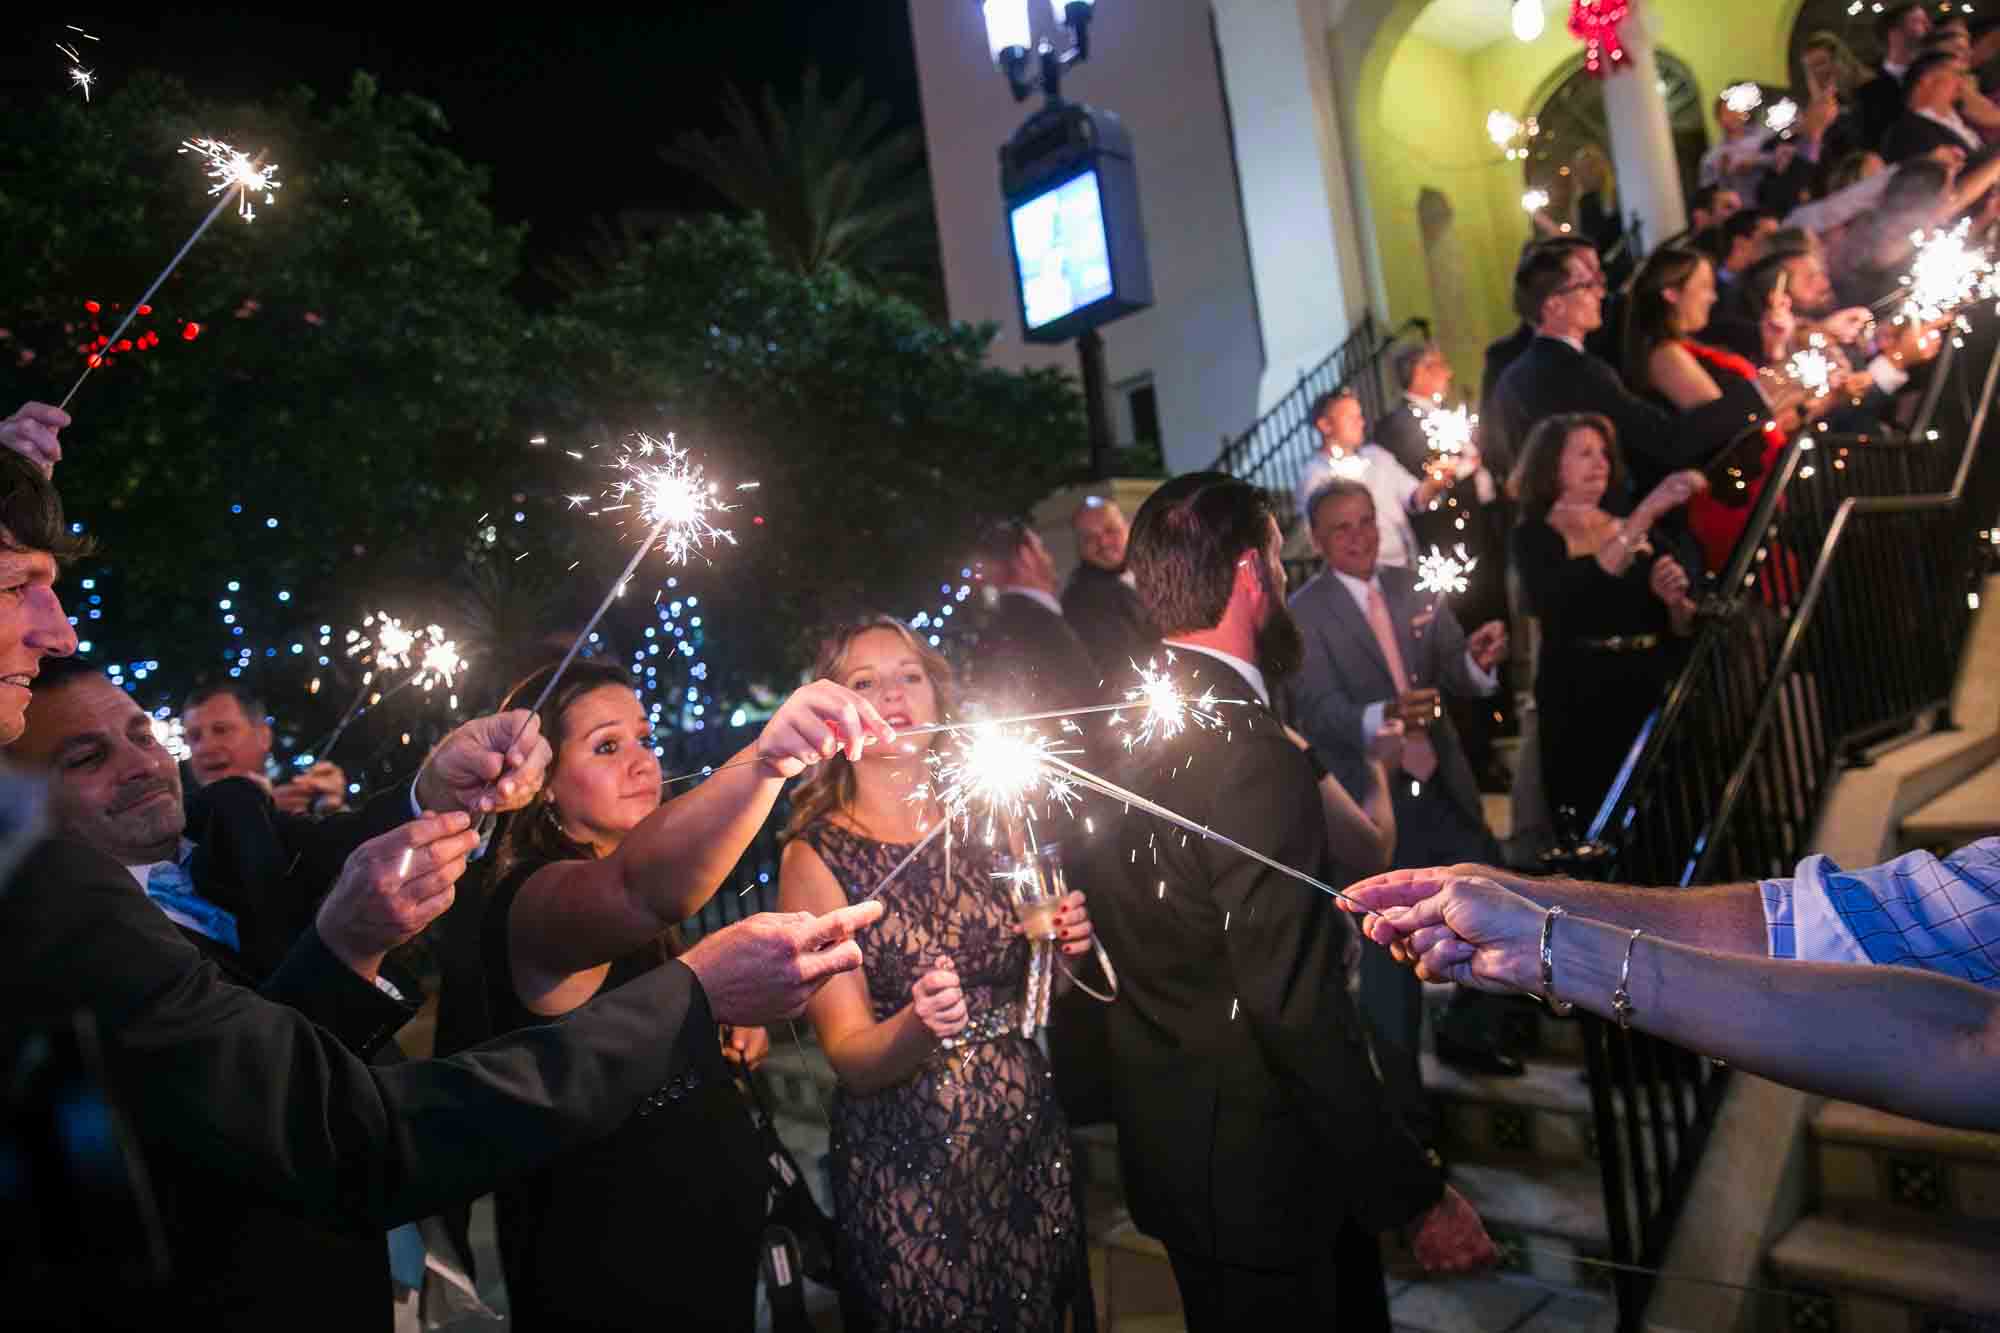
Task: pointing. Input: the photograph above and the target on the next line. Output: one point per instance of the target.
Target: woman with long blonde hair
(950, 1152)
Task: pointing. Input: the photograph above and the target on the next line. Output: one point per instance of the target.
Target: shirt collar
(1358, 589)
(1577, 343)
(1954, 122)
(1248, 672)
(1895, 72)
(1035, 595)
(144, 872)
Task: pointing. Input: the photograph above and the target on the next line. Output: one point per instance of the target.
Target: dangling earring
(555, 819)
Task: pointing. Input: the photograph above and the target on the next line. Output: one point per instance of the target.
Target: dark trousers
(1430, 830)
(1343, 1291)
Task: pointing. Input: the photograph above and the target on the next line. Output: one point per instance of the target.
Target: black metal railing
(1839, 623)
(1272, 454)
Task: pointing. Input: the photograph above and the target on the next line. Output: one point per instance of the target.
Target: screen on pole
(1061, 251)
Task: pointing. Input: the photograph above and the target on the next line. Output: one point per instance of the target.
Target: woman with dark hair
(951, 1171)
(1613, 607)
(1673, 295)
(657, 1225)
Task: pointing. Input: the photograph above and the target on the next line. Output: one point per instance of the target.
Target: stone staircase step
(1966, 812)
(1545, 1215)
(1882, 1277)
(1873, 1165)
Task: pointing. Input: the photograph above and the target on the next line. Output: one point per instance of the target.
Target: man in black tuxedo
(1250, 1123)
(1028, 658)
(229, 736)
(1930, 119)
(1099, 602)
(241, 1105)
(1563, 297)
(1503, 352)
(1357, 674)
(1901, 30)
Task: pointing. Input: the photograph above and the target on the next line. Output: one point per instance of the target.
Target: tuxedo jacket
(1250, 1119)
(1344, 671)
(1030, 659)
(1551, 377)
(1399, 431)
(242, 1106)
(270, 868)
(1109, 618)
(1911, 135)
(1880, 104)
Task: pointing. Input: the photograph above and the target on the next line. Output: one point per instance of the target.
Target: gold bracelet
(1621, 999)
(1557, 1007)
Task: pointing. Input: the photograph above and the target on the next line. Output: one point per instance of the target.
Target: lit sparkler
(387, 646)
(1449, 433)
(1534, 201)
(1946, 274)
(79, 77)
(228, 168)
(995, 772)
(233, 170)
(673, 495)
(1811, 368)
(1164, 709)
(1743, 98)
(1445, 575)
(441, 661)
(169, 734)
(1781, 115)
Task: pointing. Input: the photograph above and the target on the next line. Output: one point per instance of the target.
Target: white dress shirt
(1251, 673)
(1954, 122)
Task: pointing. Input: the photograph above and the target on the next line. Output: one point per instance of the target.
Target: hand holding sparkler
(486, 766)
(31, 433)
(817, 722)
(939, 1000)
(321, 789)
(392, 886)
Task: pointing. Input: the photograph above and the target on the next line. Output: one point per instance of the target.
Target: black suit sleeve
(327, 991)
(1285, 943)
(258, 1096)
(319, 847)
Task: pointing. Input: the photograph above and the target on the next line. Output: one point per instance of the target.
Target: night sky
(565, 103)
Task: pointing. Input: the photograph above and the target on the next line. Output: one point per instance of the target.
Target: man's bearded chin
(1281, 649)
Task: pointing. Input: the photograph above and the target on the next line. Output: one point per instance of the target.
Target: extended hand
(1418, 709)
(817, 722)
(31, 433)
(764, 968)
(1073, 926)
(1472, 932)
(489, 764)
(1668, 581)
(392, 886)
(940, 1001)
(1386, 747)
(321, 788)
(1488, 644)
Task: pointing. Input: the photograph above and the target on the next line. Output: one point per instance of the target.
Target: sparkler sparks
(389, 643)
(79, 77)
(171, 737)
(996, 771)
(1445, 575)
(1164, 710)
(441, 661)
(1743, 98)
(1812, 368)
(1534, 201)
(1781, 115)
(1945, 274)
(673, 495)
(232, 170)
(1449, 433)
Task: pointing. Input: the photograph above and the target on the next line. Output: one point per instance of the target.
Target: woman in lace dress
(950, 1154)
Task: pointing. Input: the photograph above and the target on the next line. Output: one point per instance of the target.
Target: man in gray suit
(1378, 650)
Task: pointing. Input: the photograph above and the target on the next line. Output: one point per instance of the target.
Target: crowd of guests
(237, 939)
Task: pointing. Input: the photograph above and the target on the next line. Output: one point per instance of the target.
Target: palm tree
(834, 184)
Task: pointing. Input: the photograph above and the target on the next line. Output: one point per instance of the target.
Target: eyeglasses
(1585, 285)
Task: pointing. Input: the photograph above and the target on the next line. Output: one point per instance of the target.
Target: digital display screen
(1060, 250)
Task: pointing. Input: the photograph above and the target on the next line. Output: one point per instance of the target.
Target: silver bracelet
(1557, 1007)
(1621, 999)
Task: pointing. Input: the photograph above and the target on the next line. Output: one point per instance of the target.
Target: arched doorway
(1572, 118)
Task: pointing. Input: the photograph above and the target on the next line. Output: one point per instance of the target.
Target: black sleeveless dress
(654, 1227)
(952, 1189)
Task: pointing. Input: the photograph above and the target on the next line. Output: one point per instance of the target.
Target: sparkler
(1781, 116)
(672, 492)
(79, 77)
(1811, 368)
(429, 657)
(1945, 274)
(1449, 433)
(1445, 575)
(229, 168)
(1743, 98)
(1534, 201)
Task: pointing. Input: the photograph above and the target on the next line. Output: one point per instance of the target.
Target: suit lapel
(1350, 618)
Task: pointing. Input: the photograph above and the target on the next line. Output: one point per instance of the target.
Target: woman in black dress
(656, 1226)
(1614, 607)
(951, 1170)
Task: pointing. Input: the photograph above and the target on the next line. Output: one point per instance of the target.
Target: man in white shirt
(1345, 453)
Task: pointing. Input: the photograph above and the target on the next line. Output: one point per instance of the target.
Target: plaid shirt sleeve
(1919, 910)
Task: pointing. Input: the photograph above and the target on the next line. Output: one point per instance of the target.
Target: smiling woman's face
(606, 777)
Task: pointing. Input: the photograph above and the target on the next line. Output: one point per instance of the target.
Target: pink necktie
(1419, 759)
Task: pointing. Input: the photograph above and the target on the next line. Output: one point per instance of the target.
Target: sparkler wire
(631, 567)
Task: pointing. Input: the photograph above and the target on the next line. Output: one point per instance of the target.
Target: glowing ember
(231, 170)
(1945, 274)
(1444, 574)
(673, 495)
(1448, 433)
(1812, 369)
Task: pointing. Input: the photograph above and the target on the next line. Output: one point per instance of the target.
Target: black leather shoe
(1490, 1061)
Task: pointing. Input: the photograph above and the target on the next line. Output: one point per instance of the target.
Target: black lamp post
(1009, 35)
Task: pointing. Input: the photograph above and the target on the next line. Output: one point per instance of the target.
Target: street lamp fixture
(1010, 36)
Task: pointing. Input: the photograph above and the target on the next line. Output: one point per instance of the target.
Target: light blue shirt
(1919, 910)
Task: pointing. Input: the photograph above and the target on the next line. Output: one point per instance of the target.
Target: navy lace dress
(952, 1189)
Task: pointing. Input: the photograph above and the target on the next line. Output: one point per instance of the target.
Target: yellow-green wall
(1426, 127)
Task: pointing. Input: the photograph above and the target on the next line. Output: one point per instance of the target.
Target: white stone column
(1642, 135)
(1298, 208)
